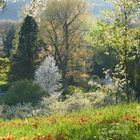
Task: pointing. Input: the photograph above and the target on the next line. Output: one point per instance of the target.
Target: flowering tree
(2, 4)
(49, 77)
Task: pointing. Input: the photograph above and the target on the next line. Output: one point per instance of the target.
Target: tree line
(81, 45)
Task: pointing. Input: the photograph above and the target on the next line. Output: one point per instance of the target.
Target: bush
(74, 89)
(76, 102)
(4, 87)
(22, 111)
(23, 91)
(94, 84)
(4, 68)
(17, 111)
(49, 105)
(99, 98)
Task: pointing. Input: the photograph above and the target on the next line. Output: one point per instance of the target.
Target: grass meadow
(120, 122)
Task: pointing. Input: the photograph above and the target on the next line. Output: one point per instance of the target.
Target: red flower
(114, 138)
(49, 135)
(52, 138)
(110, 121)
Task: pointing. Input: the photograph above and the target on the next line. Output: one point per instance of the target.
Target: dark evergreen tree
(26, 58)
(8, 41)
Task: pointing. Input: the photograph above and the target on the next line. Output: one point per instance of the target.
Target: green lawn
(120, 122)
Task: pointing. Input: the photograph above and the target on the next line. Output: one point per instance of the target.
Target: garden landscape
(69, 70)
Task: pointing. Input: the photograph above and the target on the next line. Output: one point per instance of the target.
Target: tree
(79, 65)
(64, 21)
(48, 77)
(104, 56)
(120, 36)
(7, 32)
(2, 4)
(26, 59)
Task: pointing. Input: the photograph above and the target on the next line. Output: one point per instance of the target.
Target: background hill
(11, 12)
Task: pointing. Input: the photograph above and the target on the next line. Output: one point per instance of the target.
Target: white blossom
(35, 8)
(49, 78)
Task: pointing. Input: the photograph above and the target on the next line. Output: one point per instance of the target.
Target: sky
(12, 10)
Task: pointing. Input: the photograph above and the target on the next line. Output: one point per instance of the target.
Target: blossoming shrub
(76, 102)
(75, 89)
(17, 111)
(96, 98)
(22, 111)
(49, 105)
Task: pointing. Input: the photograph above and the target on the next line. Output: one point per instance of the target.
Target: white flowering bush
(16, 111)
(22, 111)
(48, 77)
(50, 105)
(76, 102)
(96, 98)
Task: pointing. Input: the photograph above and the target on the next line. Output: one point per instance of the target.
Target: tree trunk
(126, 57)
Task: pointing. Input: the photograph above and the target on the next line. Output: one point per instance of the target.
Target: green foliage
(8, 41)
(4, 68)
(120, 36)
(23, 91)
(75, 89)
(104, 56)
(94, 84)
(7, 32)
(26, 59)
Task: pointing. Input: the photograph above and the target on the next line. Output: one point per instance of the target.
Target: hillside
(11, 12)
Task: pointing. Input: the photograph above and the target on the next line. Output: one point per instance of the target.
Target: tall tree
(26, 59)
(7, 33)
(121, 36)
(64, 20)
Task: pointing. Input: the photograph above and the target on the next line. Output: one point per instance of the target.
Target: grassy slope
(111, 123)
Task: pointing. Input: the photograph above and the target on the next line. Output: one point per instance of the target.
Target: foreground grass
(120, 122)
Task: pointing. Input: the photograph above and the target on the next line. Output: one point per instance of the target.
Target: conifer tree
(26, 59)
